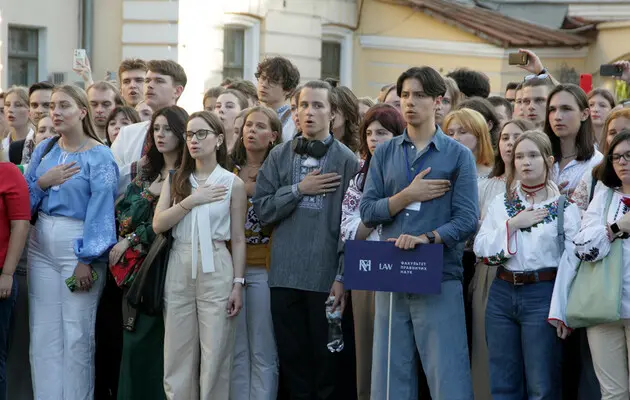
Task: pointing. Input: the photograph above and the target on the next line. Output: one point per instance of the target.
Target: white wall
(58, 39)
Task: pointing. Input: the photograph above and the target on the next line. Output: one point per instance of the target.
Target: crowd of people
(152, 253)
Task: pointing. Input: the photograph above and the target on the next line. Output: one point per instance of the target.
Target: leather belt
(527, 277)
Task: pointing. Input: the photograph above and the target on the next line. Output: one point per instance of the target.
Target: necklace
(532, 190)
(570, 156)
(197, 179)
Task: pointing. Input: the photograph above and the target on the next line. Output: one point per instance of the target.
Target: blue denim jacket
(454, 216)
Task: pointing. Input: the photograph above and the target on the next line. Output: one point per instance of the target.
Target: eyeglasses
(201, 134)
(270, 81)
(617, 157)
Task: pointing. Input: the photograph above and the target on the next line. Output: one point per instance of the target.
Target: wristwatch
(239, 280)
(617, 233)
(431, 237)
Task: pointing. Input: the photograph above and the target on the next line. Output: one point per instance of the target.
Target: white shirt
(127, 149)
(207, 222)
(592, 244)
(574, 171)
(528, 249)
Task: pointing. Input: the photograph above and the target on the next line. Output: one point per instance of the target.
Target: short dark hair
(605, 93)
(497, 101)
(245, 87)
(170, 68)
(44, 85)
(585, 138)
(131, 64)
(511, 86)
(519, 86)
(431, 80)
(607, 174)
(485, 108)
(471, 83)
(281, 70)
(535, 82)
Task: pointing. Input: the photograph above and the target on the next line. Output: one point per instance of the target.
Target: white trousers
(610, 344)
(61, 322)
(255, 371)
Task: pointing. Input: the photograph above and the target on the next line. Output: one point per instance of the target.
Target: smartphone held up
(518, 58)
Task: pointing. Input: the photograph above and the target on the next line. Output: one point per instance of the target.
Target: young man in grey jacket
(299, 191)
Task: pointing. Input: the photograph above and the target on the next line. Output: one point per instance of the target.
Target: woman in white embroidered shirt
(609, 343)
(478, 290)
(205, 205)
(568, 125)
(520, 235)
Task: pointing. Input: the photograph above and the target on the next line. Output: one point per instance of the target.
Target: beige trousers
(480, 370)
(363, 311)
(199, 336)
(610, 344)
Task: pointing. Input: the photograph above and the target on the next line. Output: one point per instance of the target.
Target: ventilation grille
(57, 78)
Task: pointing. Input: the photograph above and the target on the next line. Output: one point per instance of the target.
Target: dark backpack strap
(562, 201)
(49, 146)
(590, 197)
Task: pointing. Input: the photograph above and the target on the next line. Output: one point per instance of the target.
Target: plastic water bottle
(335, 333)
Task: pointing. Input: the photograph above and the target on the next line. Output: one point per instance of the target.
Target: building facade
(363, 43)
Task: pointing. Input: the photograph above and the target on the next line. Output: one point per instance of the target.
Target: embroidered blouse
(583, 191)
(207, 222)
(135, 222)
(88, 196)
(592, 244)
(257, 236)
(527, 249)
(350, 214)
(574, 171)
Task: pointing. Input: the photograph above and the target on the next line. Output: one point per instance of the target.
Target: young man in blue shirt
(422, 188)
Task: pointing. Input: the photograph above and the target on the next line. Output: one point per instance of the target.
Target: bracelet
(185, 209)
(4, 273)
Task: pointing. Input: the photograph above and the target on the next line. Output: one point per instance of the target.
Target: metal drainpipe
(87, 25)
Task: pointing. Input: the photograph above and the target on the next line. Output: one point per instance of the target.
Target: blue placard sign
(380, 266)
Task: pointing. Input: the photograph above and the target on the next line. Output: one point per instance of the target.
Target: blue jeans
(436, 326)
(6, 308)
(524, 350)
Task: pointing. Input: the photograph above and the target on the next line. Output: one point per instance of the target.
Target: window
(233, 52)
(23, 56)
(331, 60)
(337, 47)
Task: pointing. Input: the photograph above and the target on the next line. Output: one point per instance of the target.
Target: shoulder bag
(595, 293)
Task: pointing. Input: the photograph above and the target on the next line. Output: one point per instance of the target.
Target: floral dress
(135, 223)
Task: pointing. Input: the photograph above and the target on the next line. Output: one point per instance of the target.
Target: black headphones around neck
(314, 148)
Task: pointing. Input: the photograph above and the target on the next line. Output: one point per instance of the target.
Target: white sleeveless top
(207, 222)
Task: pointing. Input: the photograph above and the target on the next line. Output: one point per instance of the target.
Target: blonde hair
(542, 142)
(473, 122)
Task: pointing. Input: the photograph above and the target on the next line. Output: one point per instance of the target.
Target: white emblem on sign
(365, 265)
